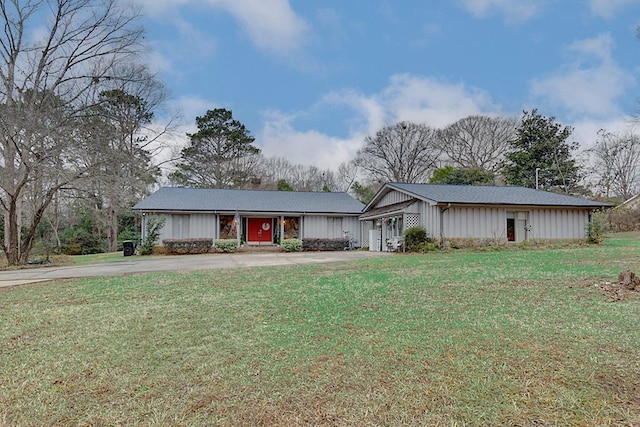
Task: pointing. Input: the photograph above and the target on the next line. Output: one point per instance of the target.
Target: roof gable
(215, 199)
(485, 195)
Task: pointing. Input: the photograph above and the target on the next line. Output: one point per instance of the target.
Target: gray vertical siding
(490, 222)
(167, 231)
(205, 225)
(331, 227)
(475, 222)
(430, 218)
(393, 197)
(200, 225)
(558, 224)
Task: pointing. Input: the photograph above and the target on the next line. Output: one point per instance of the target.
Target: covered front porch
(263, 230)
(386, 226)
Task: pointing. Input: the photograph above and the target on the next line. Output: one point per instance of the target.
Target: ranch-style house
(447, 212)
(262, 217)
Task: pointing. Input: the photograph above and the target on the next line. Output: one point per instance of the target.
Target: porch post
(238, 228)
(281, 228)
(143, 228)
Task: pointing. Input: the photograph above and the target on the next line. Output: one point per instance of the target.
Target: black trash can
(128, 248)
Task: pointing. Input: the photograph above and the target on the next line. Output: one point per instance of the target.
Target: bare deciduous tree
(272, 170)
(403, 152)
(478, 142)
(616, 164)
(347, 174)
(124, 146)
(55, 56)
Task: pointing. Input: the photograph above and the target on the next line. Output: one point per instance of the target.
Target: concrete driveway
(136, 264)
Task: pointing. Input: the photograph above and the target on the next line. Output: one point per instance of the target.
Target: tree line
(531, 151)
(80, 143)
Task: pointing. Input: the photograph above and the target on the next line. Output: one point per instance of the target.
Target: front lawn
(515, 337)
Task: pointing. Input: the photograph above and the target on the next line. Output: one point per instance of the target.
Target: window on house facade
(227, 227)
(395, 226)
(291, 227)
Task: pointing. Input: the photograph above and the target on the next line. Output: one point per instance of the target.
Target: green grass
(98, 258)
(103, 257)
(516, 337)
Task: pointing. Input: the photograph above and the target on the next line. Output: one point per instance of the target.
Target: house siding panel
(203, 225)
(555, 224)
(490, 223)
(430, 219)
(474, 222)
(200, 226)
(167, 231)
(331, 227)
(315, 226)
(393, 197)
(352, 225)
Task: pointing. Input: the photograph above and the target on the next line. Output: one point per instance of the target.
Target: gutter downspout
(443, 242)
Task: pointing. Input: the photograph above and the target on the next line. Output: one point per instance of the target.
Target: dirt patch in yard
(627, 285)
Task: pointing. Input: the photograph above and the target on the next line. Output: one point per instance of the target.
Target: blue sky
(311, 79)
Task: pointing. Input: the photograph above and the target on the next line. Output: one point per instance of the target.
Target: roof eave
(522, 205)
(245, 211)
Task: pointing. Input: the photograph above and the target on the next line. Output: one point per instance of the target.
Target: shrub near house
(324, 244)
(292, 245)
(226, 245)
(187, 246)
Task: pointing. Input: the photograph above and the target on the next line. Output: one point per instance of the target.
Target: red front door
(260, 230)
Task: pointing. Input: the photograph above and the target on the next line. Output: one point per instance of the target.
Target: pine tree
(542, 144)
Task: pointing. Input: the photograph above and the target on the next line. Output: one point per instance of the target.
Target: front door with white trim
(259, 230)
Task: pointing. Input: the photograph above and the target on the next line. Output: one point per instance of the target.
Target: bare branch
(478, 142)
(404, 152)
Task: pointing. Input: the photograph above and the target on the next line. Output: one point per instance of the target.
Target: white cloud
(590, 84)
(370, 114)
(512, 10)
(586, 130)
(272, 25)
(191, 107)
(181, 112)
(160, 8)
(407, 97)
(418, 99)
(280, 138)
(608, 8)
(430, 101)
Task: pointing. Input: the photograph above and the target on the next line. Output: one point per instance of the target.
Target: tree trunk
(11, 232)
(113, 230)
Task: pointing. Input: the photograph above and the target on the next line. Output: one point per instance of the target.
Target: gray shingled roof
(211, 199)
(480, 194)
